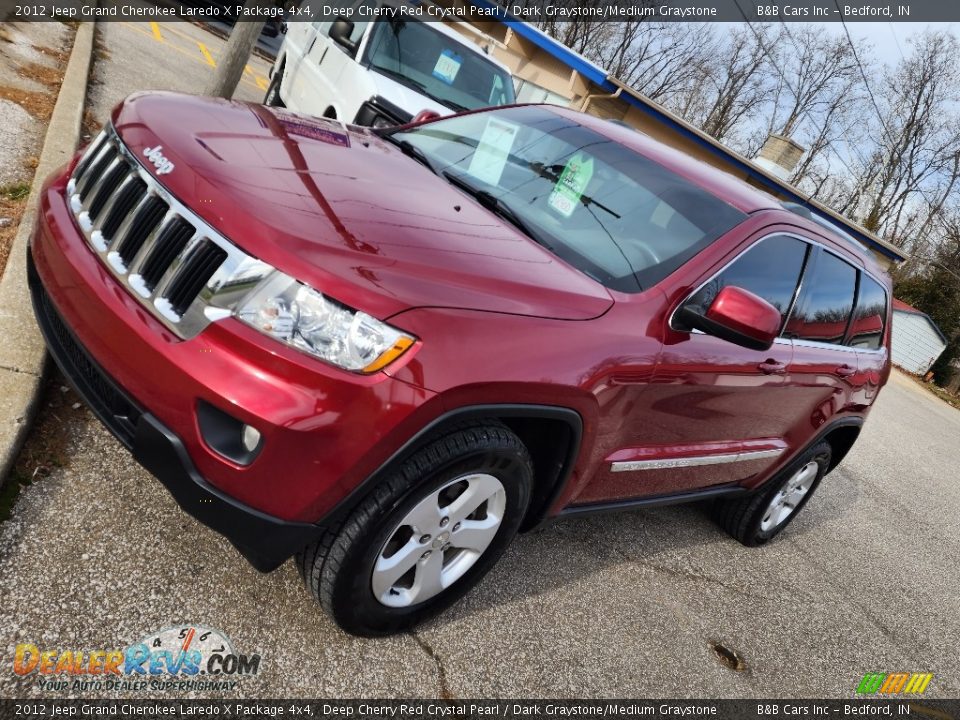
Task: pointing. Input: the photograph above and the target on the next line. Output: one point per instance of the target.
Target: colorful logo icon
(894, 683)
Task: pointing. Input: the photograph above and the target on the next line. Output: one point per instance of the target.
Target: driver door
(714, 412)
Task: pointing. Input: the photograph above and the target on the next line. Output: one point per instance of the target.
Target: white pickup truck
(383, 72)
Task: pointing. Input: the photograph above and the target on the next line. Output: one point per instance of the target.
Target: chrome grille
(175, 264)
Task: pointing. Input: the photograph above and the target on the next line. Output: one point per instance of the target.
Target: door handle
(845, 370)
(772, 367)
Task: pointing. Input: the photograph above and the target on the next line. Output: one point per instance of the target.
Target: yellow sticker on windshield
(573, 181)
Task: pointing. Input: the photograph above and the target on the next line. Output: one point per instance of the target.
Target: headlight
(299, 316)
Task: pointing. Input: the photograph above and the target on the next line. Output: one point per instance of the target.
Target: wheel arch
(841, 435)
(552, 434)
(279, 65)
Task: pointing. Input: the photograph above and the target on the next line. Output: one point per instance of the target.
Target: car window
(419, 55)
(866, 330)
(609, 211)
(826, 301)
(770, 269)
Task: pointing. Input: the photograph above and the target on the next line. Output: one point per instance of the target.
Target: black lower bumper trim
(262, 539)
(265, 541)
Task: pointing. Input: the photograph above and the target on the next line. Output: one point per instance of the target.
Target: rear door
(824, 378)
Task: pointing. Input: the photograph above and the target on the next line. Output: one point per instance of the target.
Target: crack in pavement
(445, 693)
(685, 574)
(18, 371)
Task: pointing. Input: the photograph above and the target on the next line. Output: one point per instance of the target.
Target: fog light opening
(251, 438)
(228, 436)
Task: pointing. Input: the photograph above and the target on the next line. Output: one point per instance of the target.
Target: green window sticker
(573, 181)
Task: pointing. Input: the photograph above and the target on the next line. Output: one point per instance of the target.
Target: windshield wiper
(449, 103)
(411, 151)
(495, 205)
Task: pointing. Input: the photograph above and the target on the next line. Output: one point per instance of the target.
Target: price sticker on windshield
(447, 67)
(490, 157)
(573, 181)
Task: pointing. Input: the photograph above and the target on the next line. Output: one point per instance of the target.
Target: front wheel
(757, 519)
(426, 534)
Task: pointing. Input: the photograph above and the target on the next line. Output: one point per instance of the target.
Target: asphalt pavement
(176, 56)
(98, 555)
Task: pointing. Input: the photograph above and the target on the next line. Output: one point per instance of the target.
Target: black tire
(744, 518)
(272, 96)
(338, 569)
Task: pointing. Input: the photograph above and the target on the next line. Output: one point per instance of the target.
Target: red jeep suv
(386, 352)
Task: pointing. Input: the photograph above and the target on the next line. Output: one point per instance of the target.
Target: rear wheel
(426, 534)
(757, 519)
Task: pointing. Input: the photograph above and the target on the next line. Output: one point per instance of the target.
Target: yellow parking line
(192, 55)
(259, 79)
(156, 31)
(206, 54)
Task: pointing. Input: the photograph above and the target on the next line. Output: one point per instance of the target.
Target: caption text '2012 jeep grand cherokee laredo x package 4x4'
(386, 352)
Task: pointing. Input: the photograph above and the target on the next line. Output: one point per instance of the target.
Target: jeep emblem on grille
(155, 155)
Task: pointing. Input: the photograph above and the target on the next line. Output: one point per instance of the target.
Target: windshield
(608, 211)
(416, 54)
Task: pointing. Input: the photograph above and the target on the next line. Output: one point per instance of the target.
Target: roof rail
(804, 211)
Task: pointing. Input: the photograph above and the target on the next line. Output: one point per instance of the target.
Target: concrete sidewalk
(22, 352)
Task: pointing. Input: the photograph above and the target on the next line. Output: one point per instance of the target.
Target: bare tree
(740, 84)
(815, 67)
(917, 155)
(661, 60)
(836, 121)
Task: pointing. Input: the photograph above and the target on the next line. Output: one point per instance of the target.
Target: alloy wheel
(439, 540)
(788, 498)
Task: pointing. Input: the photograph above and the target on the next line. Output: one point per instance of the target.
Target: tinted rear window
(825, 303)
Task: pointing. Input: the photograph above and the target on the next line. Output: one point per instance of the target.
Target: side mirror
(340, 33)
(737, 316)
(424, 116)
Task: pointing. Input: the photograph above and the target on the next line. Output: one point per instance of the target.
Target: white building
(916, 342)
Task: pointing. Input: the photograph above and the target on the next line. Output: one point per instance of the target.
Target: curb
(23, 353)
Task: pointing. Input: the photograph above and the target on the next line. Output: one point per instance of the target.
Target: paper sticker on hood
(317, 130)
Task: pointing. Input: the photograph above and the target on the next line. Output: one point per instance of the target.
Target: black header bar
(851, 11)
(481, 709)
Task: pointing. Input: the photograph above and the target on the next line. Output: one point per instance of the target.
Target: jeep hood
(346, 212)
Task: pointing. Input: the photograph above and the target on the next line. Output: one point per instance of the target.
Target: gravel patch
(20, 138)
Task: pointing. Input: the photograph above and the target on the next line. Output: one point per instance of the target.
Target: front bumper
(324, 432)
(161, 452)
